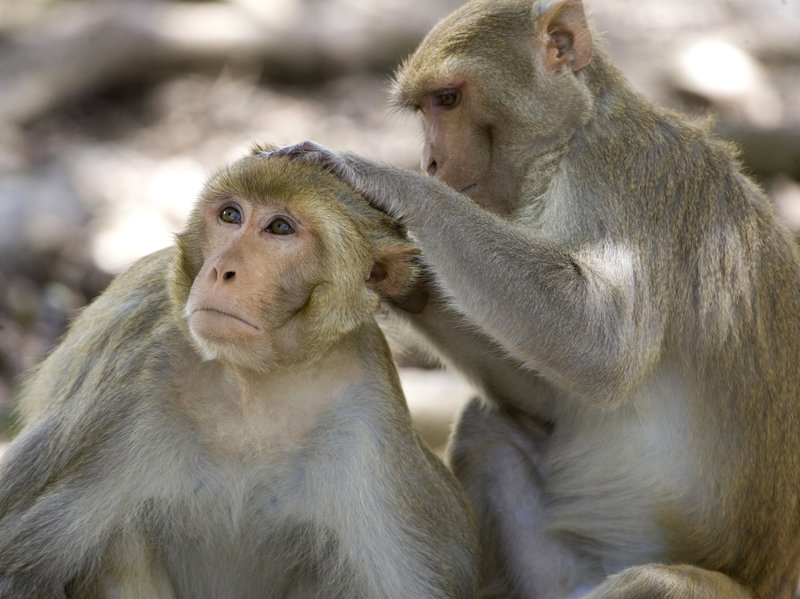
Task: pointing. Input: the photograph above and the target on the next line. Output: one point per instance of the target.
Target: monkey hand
(310, 151)
(389, 189)
(340, 164)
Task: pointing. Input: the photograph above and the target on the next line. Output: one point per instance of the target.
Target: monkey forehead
(310, 190)
(263, 179)
(266, 175)
(480, 37)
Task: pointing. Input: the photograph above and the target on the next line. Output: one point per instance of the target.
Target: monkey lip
(469, 188)
(217, 313)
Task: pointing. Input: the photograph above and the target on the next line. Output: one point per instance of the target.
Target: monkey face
(280, 260)
(495, 83)
(459, 147)
(252, 282)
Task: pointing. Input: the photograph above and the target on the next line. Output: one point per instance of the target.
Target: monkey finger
(335, 162)
(307, 151)
(363, 175)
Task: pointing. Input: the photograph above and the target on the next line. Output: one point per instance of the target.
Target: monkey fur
(226, 419)
(626, 301)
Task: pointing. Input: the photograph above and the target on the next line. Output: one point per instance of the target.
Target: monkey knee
(479, 433)
(669, 582)
(489, 451)
(481, 420)
(485, 426)
(471, 421)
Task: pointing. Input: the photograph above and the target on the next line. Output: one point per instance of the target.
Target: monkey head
(279, 260)
(496, 82)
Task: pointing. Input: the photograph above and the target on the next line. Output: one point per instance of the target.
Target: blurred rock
(787, 200)
(435, 398)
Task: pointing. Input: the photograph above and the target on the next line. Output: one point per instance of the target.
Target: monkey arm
(463, 347)
(557, 310)
(392, 531)
(47, 532)
(62, 534)
(560, 311)
(656, 580)
(53, 503)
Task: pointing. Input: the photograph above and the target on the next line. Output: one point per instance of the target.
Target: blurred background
(114, 112)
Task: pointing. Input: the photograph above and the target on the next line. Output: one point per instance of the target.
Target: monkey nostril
(228, 275)
(432, 167)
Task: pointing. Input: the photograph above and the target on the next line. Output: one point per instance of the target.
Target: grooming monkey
(225, 421)
(625, 300)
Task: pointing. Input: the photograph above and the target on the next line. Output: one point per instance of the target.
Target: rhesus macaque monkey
(627, 303)
(225, 421)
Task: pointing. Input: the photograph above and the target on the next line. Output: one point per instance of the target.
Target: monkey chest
(246, 533)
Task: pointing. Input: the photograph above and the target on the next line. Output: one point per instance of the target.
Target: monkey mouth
(468, 188)
(216, 311)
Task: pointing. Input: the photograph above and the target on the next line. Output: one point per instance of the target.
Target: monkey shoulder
(116, 338)
(136, 299)
(116, 356)
(409, 496)
(368, 428)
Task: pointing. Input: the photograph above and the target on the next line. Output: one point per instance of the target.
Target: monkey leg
(656, 581)
(495, 455)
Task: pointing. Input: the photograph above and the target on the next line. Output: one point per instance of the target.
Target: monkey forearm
(658, 581)
(581, 331)
(497, 376)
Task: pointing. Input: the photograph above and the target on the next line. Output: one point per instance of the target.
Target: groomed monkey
(624, 298)
(225, 421)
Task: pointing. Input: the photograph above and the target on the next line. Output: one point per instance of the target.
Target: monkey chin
(217, 325)
(252, 357)
(222, 336)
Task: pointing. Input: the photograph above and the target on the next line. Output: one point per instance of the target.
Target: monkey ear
(565, 35)
(394, 269)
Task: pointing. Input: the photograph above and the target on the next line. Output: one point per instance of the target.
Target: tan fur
(172, 451)
(627, 302)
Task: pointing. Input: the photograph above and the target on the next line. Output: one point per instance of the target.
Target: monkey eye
(280, 226)
(231, 215)
(447, 98)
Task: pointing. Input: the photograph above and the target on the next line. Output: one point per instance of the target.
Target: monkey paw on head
(311, 151)
(376, 182)
(226, 420)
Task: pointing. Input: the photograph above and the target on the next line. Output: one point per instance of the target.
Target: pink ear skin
(567, 39)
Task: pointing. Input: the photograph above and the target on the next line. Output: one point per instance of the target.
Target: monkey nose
(431, 168)
(222, 275)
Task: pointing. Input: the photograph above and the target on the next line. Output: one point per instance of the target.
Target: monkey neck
(259, 412)
(624, 126)
(543, 163)
(613, 95)
(600, 158)
(620, 112)
(315, 383)
(608, 99)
